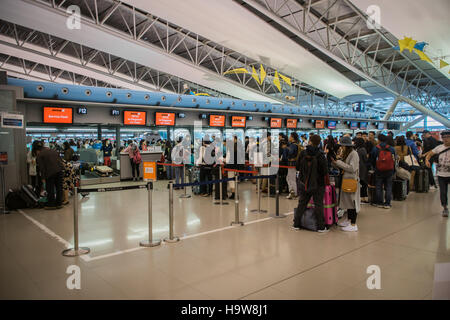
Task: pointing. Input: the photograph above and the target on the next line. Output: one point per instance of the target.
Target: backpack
(137, 157)
(308, 173)
(385, 159)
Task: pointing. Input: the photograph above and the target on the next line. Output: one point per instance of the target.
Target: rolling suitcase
(421, 181)
(329, 205)
(29, 196)
(399, 189)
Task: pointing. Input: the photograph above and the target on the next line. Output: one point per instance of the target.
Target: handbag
(411, 160)
(402, 173)
(349, 185)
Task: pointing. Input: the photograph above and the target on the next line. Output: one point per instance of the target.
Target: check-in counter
(154, 155)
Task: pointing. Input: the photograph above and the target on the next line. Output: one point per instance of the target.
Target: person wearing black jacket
(363, 172)
(51, 169)
(312, 167)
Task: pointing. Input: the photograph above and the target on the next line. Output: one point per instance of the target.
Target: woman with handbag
(349, 198)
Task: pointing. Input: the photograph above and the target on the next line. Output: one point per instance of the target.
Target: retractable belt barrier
(76, 250)
(236, 178)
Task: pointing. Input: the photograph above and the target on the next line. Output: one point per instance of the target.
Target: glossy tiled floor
(261, 260)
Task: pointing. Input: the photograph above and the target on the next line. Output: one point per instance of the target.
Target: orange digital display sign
(275, 122)
(58, 115)
(320, 124)
(164, 119)
(291, 123)
(135, 118)
(238, 122)
(216, 121)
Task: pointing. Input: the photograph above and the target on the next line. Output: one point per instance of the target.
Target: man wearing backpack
(293, 154)
(383, 160)
(312, 167)
(442, 155)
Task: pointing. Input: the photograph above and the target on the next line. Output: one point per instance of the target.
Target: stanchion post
(236, 201)
(171, 238)
(76, 251)
(184, 196)
(150, 242)
(259, 210)
(277, 199)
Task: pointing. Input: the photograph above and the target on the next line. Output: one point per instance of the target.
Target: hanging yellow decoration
(423, 56)
(276, 81)
(442, 64)
(262, 72)
(286, 79)
(255, 76)
(238, 70)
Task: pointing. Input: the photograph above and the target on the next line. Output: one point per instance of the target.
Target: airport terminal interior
(224, 150)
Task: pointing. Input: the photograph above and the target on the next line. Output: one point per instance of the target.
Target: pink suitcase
(330, 205)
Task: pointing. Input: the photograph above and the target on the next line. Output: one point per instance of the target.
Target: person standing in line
(168, 159)
(68, 151)
(304, 141)
(349, 201)
(442, 153)
(363, 172)
(312, 168)
(412, 144)
(133, 152)
(32, 169)
(51, 170)
(429, 143)
(293, 153)
(383, 160)
(107, 152)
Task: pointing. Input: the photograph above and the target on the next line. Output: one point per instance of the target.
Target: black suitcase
(14, 200)
(399, 189)
(28, 196)
(421, 181)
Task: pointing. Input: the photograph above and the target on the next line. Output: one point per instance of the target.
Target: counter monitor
(134, 118)
(320, 124)
(237, 121)
(57, 115)
(216, 120)
(164, 119)
(331, 124)
(275, 122)
(291, 123)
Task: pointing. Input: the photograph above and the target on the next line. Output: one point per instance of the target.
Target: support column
(118, 136)
(99, 132)
(388, 114)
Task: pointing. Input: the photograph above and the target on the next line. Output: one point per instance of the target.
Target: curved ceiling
(229, 24)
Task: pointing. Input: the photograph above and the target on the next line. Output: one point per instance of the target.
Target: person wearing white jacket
(350, 201)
